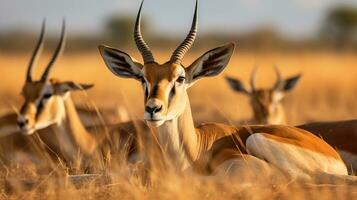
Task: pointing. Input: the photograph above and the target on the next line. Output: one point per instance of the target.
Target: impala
(266, 103)
(16, 147)
(168, 113)
(268, 109)
(49, 110)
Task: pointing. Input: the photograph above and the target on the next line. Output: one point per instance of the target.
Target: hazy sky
(294, 18)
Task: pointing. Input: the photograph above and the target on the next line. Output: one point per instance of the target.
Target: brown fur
(265, 108)
(342, 135)
(214, 138)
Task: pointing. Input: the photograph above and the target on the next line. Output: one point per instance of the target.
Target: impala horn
(139, 40)
(36, 53)
(58, 52)
(253, 77)
(182, 49)
(278, 78)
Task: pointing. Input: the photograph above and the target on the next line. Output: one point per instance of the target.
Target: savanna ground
(327, 91)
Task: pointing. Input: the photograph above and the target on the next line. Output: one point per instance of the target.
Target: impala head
(43, 98)
(265, 102)
(165, 84)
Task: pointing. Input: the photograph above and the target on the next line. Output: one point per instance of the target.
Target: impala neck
(277, 117)
(178, 139)
(72, 131)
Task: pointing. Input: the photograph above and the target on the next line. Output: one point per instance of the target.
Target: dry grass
(328, 84)
(327, 91)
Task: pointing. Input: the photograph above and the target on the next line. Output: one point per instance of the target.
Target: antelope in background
(266, 103)
(268, 109)
(168, 113)
(49, 110)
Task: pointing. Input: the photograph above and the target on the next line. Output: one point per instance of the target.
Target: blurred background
(316, 38)
(253, 24)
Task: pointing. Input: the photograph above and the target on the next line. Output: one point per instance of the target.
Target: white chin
(28, 132)
(155, 123)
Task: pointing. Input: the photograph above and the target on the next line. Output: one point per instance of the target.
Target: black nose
(153, 110)
(21, 124)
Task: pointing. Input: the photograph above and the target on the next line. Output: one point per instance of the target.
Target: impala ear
(236, 85)
(211, 63)
(67, 86)
(289, 84)
(120, 63)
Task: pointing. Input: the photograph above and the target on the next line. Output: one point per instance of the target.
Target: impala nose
(154, 109)
(22, 122)
(21, 125)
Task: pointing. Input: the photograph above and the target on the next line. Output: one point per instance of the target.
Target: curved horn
(58, 51)
(36, 52)
(182, 49)
(253, 76)
(278, 78)
(139, 40)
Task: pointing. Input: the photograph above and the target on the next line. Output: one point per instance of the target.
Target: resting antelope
(266, 103)
(168, 113)
(16, 147)
(49, 110)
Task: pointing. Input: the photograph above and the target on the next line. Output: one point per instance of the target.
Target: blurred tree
(340, 25)
(120, 29)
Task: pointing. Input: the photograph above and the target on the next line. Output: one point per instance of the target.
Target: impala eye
(181, 79)
(47, 96)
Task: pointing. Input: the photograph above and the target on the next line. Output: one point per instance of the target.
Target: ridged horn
(57, 53)
(139, 40)
(182, 49)
(278, 78)
(253, 76)
(36, 53)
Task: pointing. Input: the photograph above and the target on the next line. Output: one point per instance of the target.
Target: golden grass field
(327, 91)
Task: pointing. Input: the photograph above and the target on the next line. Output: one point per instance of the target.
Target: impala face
(44, 99)
(44, 103)
(36, 112)
(164, 88)
(165, 84)
(265, 102)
